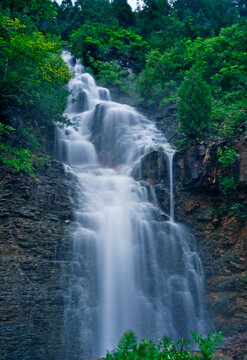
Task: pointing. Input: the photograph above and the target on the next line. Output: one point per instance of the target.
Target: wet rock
(152, 168)
(32, 244)
(165, 118)
(204, 213)
(198, 167)
(96, 126)
(81, 102)
(242, 167)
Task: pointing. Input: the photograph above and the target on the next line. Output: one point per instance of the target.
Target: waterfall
(131, 268)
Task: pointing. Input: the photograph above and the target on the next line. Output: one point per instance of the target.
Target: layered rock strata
(35, 215)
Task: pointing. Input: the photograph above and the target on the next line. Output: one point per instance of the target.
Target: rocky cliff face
(35, 215)
(221, 229)
(219, 225)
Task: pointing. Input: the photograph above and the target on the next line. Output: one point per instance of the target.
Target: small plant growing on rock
(227, 156)
(243, 280)
(207, 345)
(240, 210)
(227, 183)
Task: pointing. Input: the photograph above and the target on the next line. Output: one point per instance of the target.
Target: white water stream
(131, 268)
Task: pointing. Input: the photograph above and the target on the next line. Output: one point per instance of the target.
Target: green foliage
(71, 17)
(127, 343)
(101, 42)
(227, 183)
(227, 156)
(113, 76)
(19, 159)
(109, 74)
(121, 10)
(209, 15)
(31, 71)
(31, 12)
(32, 76)
(129, 349)
(194, 107)
(181, 49)
(161, 76)
(5, 130)
(207, 345)
(240, 210)
(222, 63)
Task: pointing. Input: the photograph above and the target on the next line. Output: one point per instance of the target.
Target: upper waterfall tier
(118, 132)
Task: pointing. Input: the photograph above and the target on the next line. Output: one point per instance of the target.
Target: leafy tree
(201, 26)
(195, 106)
(222, 61)
(153, 17)
(71, 17)
(100, 42)
(30, 12)
(219, 13)
(242, 7)
(223, 65)
(163, 73)
(30, 66)
(32, 76)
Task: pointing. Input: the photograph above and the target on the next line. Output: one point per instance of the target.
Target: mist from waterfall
(132, 268)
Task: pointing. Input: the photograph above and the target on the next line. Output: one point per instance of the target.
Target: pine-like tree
(195, 106)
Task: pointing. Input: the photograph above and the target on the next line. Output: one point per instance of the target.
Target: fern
(127, 342)
(128, 349)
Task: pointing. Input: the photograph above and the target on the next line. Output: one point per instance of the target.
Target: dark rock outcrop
(154, 169)
(35, 215)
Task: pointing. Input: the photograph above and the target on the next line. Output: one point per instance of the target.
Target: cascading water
(131, 268)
